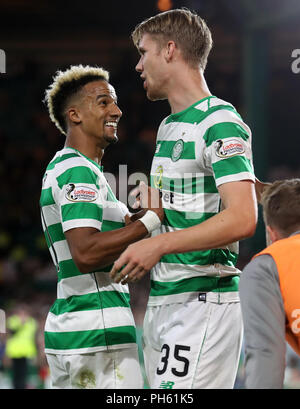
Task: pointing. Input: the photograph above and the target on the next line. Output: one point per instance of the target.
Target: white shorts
(117, 369)
(193, 345)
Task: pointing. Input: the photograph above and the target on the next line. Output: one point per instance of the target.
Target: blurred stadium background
(250, 66)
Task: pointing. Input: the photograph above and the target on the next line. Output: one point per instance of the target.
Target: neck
(84, 145)
(187, 86)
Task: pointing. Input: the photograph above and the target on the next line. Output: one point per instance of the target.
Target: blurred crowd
(28, 142)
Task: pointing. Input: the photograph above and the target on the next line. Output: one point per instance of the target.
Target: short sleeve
(124, 209)
(79, 198)
(228, 150)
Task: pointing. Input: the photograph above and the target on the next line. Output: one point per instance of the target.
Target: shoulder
(63, 158)
(261, 269)
(69, 166)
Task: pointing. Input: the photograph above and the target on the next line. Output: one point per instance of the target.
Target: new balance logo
(166, 385)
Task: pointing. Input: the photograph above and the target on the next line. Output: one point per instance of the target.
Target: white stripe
(168, 272)
(214, 102)
(183, 166)
(70, 163)
(219, 298)
(220, 116)
(112, 211)
(51, 214)
(192, 132)
(72, 224)
(89, 350)
(62, 250)
(89, 320)
(195, 202)
(235, 178)
(172, 132)
(85, 284)
(78, 285)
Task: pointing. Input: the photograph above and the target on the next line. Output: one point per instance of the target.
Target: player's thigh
(181, 332)
(128, 373)
(59, 376)
(115, 369)
(151, 361)
(218, 362)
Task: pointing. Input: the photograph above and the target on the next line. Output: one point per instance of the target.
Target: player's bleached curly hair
(65, 85)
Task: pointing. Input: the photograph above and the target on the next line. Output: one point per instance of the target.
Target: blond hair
(65, 85)
(281, 205)
(187, 29)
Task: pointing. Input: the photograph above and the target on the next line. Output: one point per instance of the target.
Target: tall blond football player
(203, 167)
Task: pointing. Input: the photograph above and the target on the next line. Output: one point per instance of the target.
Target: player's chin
(155, 96)
(111, 139)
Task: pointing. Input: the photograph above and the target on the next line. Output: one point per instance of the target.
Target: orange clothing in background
(286, 254)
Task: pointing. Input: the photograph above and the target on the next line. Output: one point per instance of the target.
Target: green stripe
(181, 220)
(193, 115)
(61, 159)
(108, 225)
(195, 284)
(91, 301)
(166, 148)
(110, 195)
(89, 339)
(201, 258)
(77, 174)
(81, 210)
(56, 232)
(67, 269)
(224, 130)
(188, 185)
(232, 166)
(46, 198)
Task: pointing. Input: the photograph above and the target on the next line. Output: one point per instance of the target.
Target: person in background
(21, 344)
(269, 289)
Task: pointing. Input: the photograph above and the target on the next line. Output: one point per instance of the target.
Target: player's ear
(74, 115)
(170, 50)
(273, 234)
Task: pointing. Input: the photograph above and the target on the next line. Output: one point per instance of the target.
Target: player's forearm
(100, 249)
(224, 228)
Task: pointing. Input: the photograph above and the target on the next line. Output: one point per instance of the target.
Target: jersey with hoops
(197, 150)
(91, 313)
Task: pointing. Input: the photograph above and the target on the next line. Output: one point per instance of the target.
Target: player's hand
(137, 260)
(147, 198)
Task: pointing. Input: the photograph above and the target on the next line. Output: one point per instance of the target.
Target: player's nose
(116, 112)
(139, 66)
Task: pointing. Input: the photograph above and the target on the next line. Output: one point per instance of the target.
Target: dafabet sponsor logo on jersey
(2, 62)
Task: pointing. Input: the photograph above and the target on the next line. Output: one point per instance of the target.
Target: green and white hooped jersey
(197, 150)
(91, 313)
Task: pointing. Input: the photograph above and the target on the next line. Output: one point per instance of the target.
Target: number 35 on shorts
(174, 358)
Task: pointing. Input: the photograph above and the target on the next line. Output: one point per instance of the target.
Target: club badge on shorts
(177, 150)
